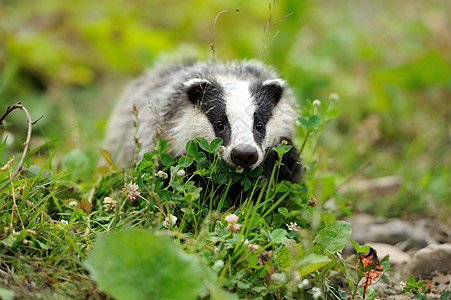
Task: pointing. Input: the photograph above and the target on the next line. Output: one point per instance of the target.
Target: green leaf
(334, 236)
(203, 144)
(445, 295)
(177, 186)
(279, 236)
(333, 113)
(312, 262)
(360, 249)
(191, 148)
(167, 160)
(314, 121)
(6, 294)
(146, 161)
(185, 161)
(246, 183)
(217, 293)
(222, 178)
(138, 265)
(283, 211)
(163, 147)
(215, 143)
(282, 149)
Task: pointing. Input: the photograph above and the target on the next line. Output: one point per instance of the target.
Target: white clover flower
(180, 173)
(170, 218)
(293, 226)
(73, 204)
(109, 204)
(304, 284)
(316, 102)
(218, 265)
(162, 175)
(316, 292)
(279, 277)
(402, 284)
(220, 150)
(334, 97)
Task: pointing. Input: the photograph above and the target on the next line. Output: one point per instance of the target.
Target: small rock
(397, 257)
(399, 297)
(441, 278)
(433, 258)
(366, 229)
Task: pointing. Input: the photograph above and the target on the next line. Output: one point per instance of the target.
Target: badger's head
(249, 116)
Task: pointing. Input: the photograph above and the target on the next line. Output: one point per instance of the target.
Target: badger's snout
(244, 155)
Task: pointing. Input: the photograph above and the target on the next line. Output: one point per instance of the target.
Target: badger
(244, 103)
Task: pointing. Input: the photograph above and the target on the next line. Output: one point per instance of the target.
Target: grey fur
(163, 88)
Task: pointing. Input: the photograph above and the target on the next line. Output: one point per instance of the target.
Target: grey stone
(367, 229)
(427, 261)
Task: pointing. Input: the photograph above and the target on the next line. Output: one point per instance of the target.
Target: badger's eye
(219, 126)
(259, 126)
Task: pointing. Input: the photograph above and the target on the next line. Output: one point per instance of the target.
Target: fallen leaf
(370, 260)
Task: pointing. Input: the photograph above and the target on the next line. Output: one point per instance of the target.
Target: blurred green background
(389, 62)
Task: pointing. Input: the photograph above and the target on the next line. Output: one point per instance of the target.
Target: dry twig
(30, 123)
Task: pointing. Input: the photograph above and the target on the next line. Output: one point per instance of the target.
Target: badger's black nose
(244, 155)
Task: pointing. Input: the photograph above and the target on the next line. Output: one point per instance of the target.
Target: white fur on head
(240, 110)
(195, 81)
(277, 81)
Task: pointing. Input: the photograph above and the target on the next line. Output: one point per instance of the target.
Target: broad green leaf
(314, 121)
(217, 293)
(304, 122)
(162, 147)
(167, 160)
(333, 237)
(185, 161)
(215, 144)
(283, 211)
(136, 265)
(246, 183)
(203, 144)
(191, 148)
(222, 178)
(177, 186)
(312, 262)
(6, 294)
(279, 236)
(360, 249)
(146, 161)
(333, 113)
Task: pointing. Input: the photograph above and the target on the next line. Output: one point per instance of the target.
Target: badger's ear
(197, 89)
(273, 89)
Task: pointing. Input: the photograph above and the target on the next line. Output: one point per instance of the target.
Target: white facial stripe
(275, 81)
(195, 81)
(240, 113)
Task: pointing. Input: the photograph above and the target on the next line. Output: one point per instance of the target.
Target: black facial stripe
(209, 98)
(266, 98)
